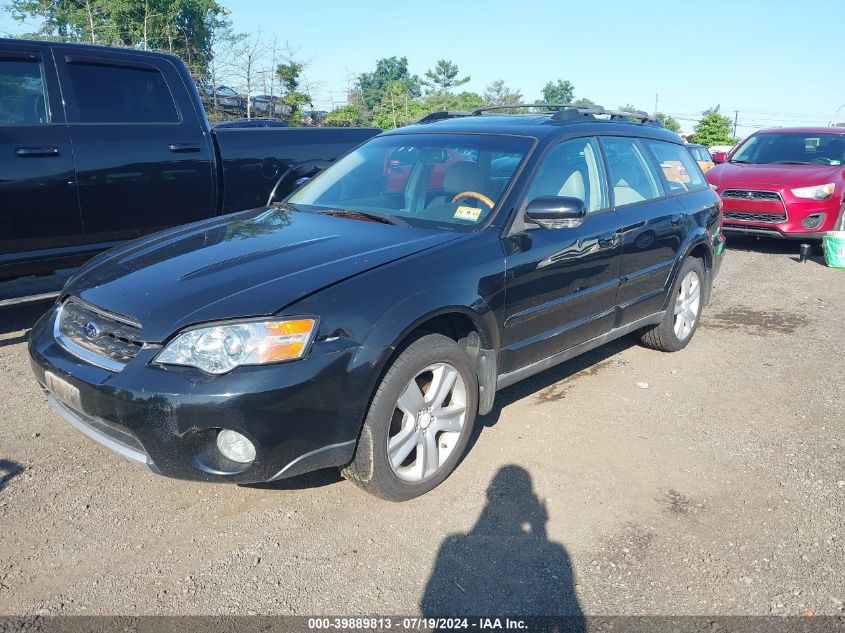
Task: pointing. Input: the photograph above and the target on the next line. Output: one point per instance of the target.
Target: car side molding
(511, 377)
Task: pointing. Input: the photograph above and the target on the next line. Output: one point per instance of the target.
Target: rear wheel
(419, 421)
(679, 324)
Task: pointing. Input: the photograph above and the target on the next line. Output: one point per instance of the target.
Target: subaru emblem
(91, 330)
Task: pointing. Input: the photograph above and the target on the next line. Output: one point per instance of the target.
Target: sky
(776, 62)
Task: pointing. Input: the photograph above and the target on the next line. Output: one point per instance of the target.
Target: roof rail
(442, 114)
(566, 112)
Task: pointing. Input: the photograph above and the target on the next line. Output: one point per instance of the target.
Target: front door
(143, 158)
(39, 211)
(561, 283)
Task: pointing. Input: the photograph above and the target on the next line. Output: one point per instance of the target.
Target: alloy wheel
(427, 422)
(687, 304)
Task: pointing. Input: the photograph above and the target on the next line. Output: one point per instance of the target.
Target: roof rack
(565, 112)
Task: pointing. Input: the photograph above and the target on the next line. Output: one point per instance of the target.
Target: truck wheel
(679, 324)
(419, 421)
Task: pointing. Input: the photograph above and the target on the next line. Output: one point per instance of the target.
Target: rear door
(562, 283)
(39, 211)
(654, 224)
(143, 158)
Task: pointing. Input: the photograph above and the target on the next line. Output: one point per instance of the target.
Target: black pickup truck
(100, 145)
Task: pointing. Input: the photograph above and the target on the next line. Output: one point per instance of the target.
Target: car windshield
(429, 180)
(792, 148)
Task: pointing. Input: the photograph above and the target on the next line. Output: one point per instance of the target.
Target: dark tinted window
(22, 100)
(631, 175)
(112, 94)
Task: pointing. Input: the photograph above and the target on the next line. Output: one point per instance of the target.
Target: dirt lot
(718, 489)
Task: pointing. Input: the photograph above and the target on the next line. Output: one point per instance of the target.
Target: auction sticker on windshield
(467, 213)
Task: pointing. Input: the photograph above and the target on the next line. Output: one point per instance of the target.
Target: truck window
(22, 98)
(120, 94)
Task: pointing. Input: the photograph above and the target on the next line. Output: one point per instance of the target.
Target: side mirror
(556, 212)
(719, 157)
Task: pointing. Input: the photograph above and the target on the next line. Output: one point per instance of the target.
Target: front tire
(419, 421)
(682, 317)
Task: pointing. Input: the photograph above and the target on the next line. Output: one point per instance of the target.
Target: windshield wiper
(792, 162)
(384, 218)
(739, 160)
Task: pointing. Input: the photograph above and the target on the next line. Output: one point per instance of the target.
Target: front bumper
(787, 215)
(300, 416)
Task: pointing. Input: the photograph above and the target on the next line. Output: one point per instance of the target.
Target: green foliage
(444, 76)
(583, 102)
(560, 91)
(669, 122)
(345, 116)
(497, 93)
(388, 70)
(293, 96)
(181, 27)
(396, 108)
(629, 108)
(714, 129)
(460, 102)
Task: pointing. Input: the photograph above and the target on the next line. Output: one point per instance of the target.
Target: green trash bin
(833, 244)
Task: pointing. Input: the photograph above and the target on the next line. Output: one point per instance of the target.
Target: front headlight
(217, 349)
(817, 192)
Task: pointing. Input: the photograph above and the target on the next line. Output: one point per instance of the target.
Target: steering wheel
(474, 194)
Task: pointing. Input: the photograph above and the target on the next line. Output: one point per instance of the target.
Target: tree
(560, 91)
(388, 70)
(583, 102)
(461, 102)
(668, 122)
(397, 107)
(246, 54)
(629, 108)
(345, 116)
(444, 76)
(714, 129)
(293, 95)
(181, 27)
(497, 93)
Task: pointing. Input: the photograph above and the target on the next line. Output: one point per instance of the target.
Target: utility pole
(655, 104)
(736, 118)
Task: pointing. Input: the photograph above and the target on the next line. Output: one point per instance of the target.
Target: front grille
(750, 194)
(103, 339)
(769, 218)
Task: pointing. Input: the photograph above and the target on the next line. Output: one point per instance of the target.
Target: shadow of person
(506, 564)
(8, 471)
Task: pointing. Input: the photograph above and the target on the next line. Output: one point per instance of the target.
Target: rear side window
(22, 97)
(120, 94)
(680, 170)
(632, 176)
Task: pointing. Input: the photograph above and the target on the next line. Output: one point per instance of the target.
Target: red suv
(785, 182)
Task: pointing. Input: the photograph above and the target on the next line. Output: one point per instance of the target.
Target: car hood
(246, 264)
(742, 176)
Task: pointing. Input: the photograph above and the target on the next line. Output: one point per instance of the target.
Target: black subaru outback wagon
(367, 320)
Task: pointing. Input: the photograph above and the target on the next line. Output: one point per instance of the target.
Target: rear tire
(419, 421)
(683, 314)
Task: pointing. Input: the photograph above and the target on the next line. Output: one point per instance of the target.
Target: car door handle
(183, 148)
(677, 219)
(32, 152)
(608, 240)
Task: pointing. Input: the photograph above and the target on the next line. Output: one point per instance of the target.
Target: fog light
(235, 446)
(813, 221)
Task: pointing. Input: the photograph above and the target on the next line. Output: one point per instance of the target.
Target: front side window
(792, 148)
(631, 175)
(438, 180)
(22, 97)
(680, 170)
(120, 94)
(572, 169)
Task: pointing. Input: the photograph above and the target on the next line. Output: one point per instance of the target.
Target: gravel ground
(718, 489)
